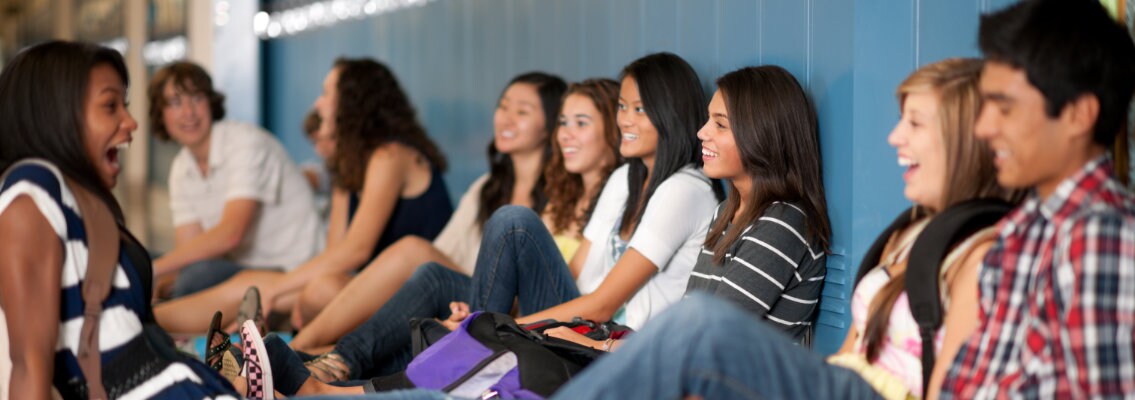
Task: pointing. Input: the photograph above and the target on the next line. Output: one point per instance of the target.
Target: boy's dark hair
(186, 77)
(1066, 49)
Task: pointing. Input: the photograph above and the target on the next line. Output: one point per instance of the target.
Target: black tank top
(422, 216)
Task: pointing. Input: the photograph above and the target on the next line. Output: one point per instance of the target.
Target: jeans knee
(511, 217)
(427, 271)
(200, 276)
(431, 276)
(199, 267)
(705, 311)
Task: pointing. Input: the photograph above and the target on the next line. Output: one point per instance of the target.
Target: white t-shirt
(460, 240)
(670, 235)
(246, 162)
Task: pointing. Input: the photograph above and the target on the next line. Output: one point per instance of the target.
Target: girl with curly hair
(584, 152)
(387, 177)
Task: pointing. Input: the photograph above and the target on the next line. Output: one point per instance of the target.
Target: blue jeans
(289, 374)
(519, 259)
(415, 394)
(381, 345)
(708, 347)
(202, 275)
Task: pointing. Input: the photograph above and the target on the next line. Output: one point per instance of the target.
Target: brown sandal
(329, 367)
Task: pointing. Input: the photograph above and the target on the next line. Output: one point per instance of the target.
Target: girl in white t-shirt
(645, 232)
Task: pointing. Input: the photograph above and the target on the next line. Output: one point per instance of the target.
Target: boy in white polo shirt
(238, 200)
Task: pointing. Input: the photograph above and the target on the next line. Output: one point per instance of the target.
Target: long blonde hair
(970, 173)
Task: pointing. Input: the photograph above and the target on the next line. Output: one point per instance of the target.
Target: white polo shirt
(246, 162)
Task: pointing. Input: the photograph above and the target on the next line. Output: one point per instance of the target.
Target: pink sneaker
(257, 369)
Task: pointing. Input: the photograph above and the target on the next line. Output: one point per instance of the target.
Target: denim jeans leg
(202, 275)
(381, 345)
(707, 347)
(519, 259)
(288, 371)
(415, 394)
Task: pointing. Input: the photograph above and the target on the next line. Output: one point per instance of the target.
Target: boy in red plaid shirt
(1057, 290)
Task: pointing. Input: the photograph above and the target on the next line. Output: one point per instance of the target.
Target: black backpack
(936, 240)
(488, 356)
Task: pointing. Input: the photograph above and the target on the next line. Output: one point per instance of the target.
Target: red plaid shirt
(1057, 298)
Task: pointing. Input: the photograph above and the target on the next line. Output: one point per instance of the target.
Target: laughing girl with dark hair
(584, 153)
(65, 125)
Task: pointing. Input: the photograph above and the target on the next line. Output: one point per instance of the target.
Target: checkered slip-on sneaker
(257, 369)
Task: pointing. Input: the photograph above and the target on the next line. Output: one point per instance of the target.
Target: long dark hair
(777, 135)
(674, 101)
(373, 111)
(42, 91)
(565, 189)
(497, 190)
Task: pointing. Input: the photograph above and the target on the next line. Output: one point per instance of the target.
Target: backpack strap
(875, 252)
(102, 245)
(425, 332)
(941, 235)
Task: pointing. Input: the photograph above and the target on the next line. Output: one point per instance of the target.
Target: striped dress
(772, 270)
(132, 365)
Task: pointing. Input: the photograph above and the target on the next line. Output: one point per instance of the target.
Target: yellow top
(567, 245)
